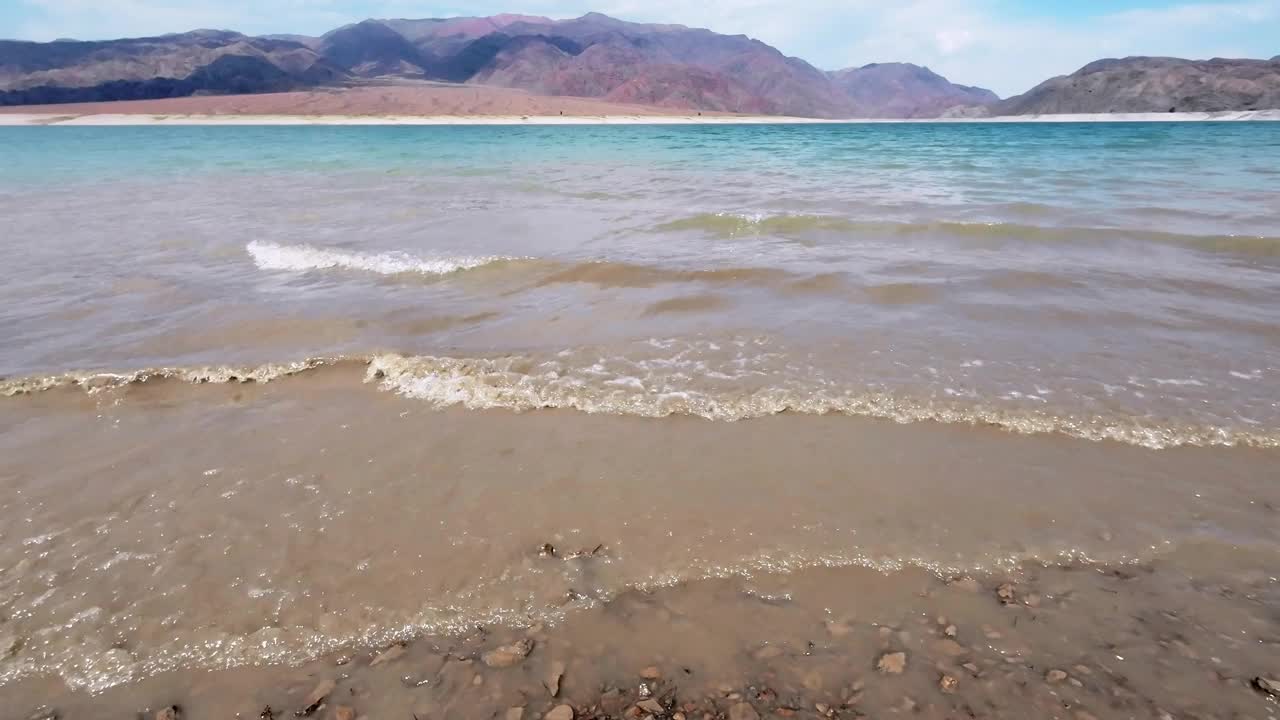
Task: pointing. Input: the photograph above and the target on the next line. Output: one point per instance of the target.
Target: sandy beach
(108, 118)
(138, 119)
(434, 104)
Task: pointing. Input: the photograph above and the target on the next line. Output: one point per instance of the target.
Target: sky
(1006, 45)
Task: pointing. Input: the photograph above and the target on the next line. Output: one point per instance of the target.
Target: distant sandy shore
(417, 103)
(1246, 115)
(137, 119)
(442, 104)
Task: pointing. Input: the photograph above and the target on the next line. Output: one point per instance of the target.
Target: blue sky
(1007, 45)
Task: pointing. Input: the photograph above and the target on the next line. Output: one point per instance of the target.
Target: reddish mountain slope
(594, 56)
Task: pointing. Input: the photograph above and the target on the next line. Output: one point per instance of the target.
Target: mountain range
(598, 57)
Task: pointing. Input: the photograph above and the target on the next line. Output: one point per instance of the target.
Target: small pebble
(559, 712)
(892, 663)
(1267, 686)
(392, 653)
(1006, 594)
(1054, 677)
(554, 675)
(508, 655)
(316, 697)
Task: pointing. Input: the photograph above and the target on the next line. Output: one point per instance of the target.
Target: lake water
(257, 383)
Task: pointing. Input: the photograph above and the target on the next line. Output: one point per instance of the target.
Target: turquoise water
(982, 156)
(1105, 280)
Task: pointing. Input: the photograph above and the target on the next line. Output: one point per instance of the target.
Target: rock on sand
(508, 655)
(554, 675)
(892, 663)
(391, 653)
(559, 712)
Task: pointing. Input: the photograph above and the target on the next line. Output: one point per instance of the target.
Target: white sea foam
(301, 258)
(93, 382)
(685, 378)
(658, 387)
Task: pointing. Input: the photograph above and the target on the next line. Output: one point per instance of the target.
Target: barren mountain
(903, 90)
(168, 66)
(594, 56)
(1155, 84)
(371, 49)
(679, 67)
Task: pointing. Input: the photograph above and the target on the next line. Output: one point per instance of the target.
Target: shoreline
(908, 643)
(150, 119)
(466, 557)
(733, 423)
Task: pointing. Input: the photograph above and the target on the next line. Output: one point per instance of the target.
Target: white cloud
(973, 42)
(952, 41)
(96, 19)
(969, 41)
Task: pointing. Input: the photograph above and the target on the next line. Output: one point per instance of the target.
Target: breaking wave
(93, 382)
(301, 258)
(660, 388)
(675, 379)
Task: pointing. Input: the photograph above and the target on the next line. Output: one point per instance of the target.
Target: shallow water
(259, 382)
(1104, 281)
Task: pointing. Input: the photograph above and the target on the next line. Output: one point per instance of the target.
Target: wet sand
(848, 643)
(775, 562)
